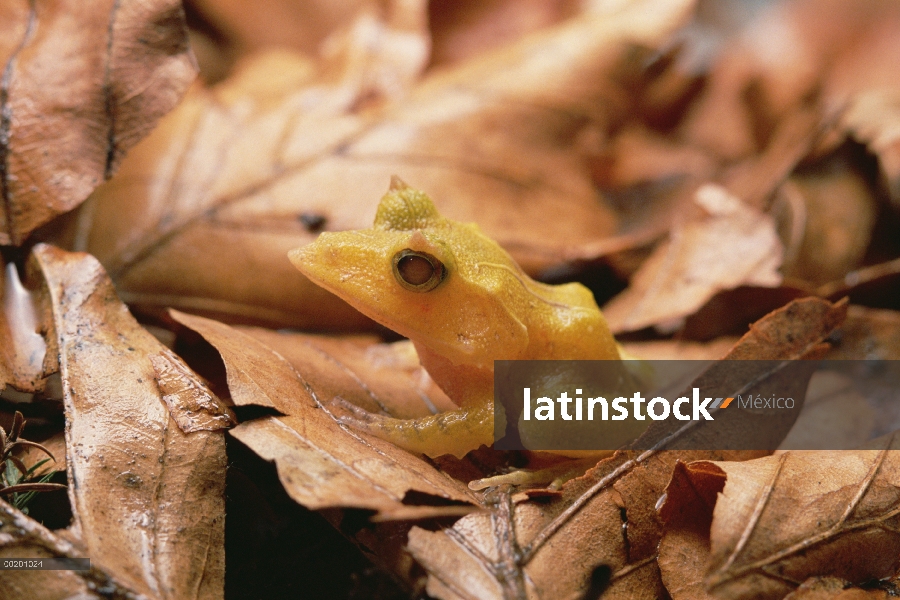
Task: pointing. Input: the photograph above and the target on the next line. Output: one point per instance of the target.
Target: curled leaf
(731, 245)
(191, 403)
(147, 498)
(784, 518)
(321, 462)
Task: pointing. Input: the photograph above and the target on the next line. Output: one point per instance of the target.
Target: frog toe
(552, 477)
(455, 432)
(354, 415)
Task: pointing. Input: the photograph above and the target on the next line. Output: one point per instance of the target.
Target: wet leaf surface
(191, 403)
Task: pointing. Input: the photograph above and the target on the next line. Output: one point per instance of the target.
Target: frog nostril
(418, 271)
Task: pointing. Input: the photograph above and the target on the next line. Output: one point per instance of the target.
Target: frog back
(566, 324)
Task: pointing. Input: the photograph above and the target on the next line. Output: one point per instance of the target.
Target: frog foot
(453, 432)
(552, 477)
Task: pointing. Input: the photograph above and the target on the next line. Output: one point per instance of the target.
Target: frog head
(443, 284)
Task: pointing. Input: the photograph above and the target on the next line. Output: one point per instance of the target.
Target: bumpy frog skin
(463, 302)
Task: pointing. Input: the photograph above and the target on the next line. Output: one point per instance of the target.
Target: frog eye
(418, 271)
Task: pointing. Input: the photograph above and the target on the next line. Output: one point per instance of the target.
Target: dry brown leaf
(82, 82)
(246, 171)
(784, 518)
(865, 334)
(378, 377)
(791, 140)
(771, 58)
(637, 155)
(463, 29)
(836, 403)
(147, 499)
(872, 118)
(731, 245)
(790, 333)
(759, 112)
(300, 24)
(608, 517)
(868, 334)
(23, 537)
(686, 511)
(495, 555)
(321, 463)
(830, 216)
(729, 311)
(385, 48)
(383, 41)
(56, 444)
(605, 519)
(680, 349)
(767, 60)
(876, 282)
(833, 588)
(723, 240)
(864, 82)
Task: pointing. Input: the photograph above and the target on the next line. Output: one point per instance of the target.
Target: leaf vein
(6, 121)
(755, 516)
(109, 102)
(839, 527)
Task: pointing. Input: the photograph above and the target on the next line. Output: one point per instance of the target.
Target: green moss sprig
(18, 482)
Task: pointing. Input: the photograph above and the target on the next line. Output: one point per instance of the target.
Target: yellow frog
(463, 302)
